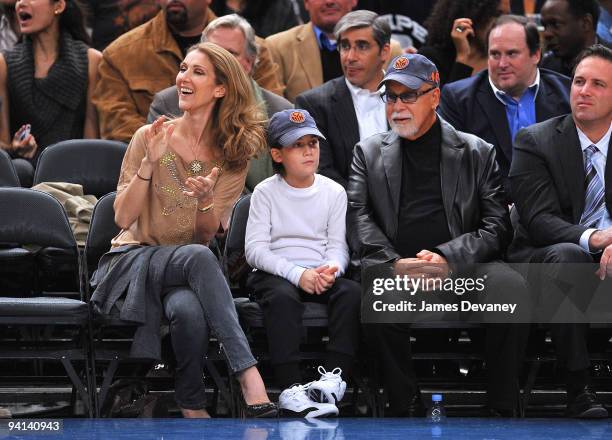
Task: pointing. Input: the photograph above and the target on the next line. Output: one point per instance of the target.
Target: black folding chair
(8, 175)
(101, 231)
(39, 287)
(93, 163)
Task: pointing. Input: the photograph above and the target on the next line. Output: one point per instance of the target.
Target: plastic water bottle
(436, 412)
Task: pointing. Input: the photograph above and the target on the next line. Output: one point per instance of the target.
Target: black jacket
(547, 180)
(470, 105)
(563, 66)
(331, 106)
(474, 201)
(444, 59)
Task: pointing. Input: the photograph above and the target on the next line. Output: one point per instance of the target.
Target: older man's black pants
(504, 350)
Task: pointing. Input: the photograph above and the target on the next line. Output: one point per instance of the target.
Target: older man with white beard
(426, 198)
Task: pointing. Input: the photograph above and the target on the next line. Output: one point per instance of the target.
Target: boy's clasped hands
(317, 280)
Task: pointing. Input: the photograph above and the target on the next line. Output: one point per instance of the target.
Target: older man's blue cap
(412, 70)
(287, 126)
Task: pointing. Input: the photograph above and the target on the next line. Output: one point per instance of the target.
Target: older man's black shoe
(503, 413)
(584, 405)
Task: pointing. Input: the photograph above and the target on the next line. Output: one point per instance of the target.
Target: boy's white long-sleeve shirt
(293, 229)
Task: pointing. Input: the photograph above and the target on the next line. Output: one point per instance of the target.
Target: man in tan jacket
(146, 60)
(306, 54)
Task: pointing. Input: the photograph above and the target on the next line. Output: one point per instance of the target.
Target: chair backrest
(234, 259)
(93, 163)
(8, 175)
(101, 231)
(38, 251)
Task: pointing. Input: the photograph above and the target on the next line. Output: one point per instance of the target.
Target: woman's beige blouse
(168, 217)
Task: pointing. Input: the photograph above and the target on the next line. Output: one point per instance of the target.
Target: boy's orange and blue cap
(287, 126)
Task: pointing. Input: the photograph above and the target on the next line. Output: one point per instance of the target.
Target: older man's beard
(405, 129)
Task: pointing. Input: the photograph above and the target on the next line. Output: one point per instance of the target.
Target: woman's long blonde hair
(238, 122)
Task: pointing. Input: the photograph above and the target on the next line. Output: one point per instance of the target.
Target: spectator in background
(526, 7)
(349, 109)
(111, 18)
(144, 61)
(569, 27)
(9, 26)
(266, 16)
(405, 17)
(307, 55)
(46, 82)
(512, 94)
(604, 25)
(457, 32)
(234, 34)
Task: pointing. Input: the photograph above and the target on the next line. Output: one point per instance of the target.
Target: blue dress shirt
(521, 113)
(323, 40)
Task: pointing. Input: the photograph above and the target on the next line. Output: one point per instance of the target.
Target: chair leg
(361, 384)
(225, 392)
(108, 378)
(77, 382)
(531, 377)
(91, 356)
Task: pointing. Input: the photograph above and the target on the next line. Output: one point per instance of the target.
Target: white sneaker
(294, 402)
(329, 388)
(310, 429)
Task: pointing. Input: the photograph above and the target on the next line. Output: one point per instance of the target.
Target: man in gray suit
(234, 34)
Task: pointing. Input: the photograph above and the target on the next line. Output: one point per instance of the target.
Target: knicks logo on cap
(297, 117)
(435, 76)
(401, 63)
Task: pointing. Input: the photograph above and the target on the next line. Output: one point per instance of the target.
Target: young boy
(295, 239)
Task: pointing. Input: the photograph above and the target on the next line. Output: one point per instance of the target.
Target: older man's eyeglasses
(406, 98)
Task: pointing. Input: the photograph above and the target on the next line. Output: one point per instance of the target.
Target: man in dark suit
(570, 26)
(349, 109)
(513, 93)
(425, 197)
(560, 179)
(234, 34)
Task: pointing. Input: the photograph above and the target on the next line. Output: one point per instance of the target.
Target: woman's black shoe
(261, 410)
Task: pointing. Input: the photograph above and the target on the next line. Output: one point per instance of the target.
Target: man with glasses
(511, 94)
(307, 54)
(349, 109)
(425, 198)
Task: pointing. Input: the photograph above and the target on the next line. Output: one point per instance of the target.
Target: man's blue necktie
(594, 196)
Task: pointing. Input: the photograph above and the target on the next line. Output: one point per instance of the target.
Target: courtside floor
(324, 429)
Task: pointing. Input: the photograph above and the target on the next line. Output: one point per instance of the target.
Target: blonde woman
(178, 182)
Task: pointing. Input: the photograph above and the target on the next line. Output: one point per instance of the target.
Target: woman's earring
(57, 12)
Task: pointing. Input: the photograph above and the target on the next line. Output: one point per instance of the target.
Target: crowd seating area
(47, 321)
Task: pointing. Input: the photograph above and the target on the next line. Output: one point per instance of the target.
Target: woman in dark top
(46, 82)
(457, 32)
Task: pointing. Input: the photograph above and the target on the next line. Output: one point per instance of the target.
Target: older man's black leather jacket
(474, 201)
